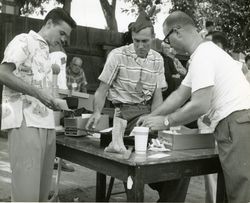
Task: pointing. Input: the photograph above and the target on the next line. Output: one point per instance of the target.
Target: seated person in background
(76, 79)
(132, 79)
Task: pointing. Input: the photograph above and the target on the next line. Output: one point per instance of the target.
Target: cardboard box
(181, 141)
(71, 125)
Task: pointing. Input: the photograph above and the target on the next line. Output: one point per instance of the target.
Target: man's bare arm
(196, 107)
(99, 101)
(173, 101)
(157, 99)
(100, 97)
(8, 79)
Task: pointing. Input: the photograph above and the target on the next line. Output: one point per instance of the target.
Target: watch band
(166, 122)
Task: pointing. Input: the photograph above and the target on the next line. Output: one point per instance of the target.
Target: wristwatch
(166, 122)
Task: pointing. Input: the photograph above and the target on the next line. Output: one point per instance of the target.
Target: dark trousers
(233, 137)
(172, 190)
(169, 191)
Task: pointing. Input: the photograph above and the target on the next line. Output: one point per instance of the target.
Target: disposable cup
(141, 139)
(57, 117)
(87, 115)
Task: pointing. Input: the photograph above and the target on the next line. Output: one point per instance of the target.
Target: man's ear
(49, 23)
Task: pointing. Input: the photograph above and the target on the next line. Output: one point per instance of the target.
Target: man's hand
(155, 122)
(141, 120)
(48, 100)
(93, 121)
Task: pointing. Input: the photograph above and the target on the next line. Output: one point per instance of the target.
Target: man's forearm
(99, 101)
(171, 104)
(198, 105)
(188, 113)
(157, 99)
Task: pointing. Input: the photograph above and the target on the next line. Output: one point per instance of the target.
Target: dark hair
(209, 23)
(247, 57)
(59, 14)
(219, 37)
(127, 36)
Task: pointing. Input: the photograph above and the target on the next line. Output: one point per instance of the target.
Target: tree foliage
(137, 5)
(230, 16)
(29, 6)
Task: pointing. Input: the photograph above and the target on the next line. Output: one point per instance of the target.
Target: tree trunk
(67, 5)
(109, 14)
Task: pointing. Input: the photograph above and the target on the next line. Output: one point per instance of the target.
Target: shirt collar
(70, 72)
(131, 51)
(36, 36)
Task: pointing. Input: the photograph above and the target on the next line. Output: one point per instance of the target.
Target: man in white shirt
(216, 83)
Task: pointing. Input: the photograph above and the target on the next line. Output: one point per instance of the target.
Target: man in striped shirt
(132, 79)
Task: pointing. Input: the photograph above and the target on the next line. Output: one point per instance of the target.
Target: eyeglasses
(166, 40)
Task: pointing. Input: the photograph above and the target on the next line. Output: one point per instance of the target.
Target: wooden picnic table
(141, 169)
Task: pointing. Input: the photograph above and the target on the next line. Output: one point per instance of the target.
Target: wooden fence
(91, 44)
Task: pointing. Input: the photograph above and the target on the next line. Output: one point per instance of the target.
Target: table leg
(136, 193)
(221, 196)
(100, 187)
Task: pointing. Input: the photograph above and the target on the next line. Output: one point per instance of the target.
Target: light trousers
(32, 152)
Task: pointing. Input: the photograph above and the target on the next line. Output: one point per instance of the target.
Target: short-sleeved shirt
(77, 82)
(30, 54)
(210, 66)
(124, 71)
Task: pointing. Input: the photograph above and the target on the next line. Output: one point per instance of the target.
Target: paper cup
(57, 117)
(141, 139)
(86, 115)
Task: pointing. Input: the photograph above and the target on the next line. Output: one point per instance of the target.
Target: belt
(119, 105)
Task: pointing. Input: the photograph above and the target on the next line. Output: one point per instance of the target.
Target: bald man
(215, 84)
(76, 79)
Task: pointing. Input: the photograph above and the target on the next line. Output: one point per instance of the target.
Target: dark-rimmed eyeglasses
(166, 40)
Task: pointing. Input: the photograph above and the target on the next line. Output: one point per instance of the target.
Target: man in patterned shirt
(76, 79)
(132, 79)
(27, 106)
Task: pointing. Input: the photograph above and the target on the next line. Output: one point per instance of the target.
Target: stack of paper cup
(141, 139)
